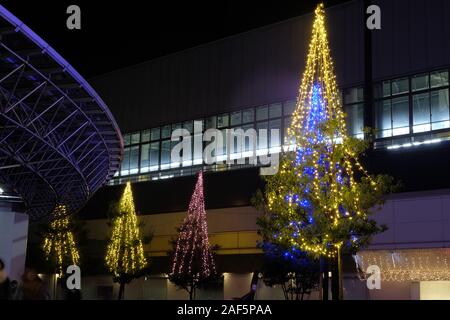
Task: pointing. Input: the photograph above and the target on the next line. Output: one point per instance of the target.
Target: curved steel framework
(58, 140)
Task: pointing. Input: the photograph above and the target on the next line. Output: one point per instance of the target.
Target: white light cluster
(413, 144)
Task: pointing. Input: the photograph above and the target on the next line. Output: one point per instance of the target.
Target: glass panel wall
(412, 105)
(403, 107)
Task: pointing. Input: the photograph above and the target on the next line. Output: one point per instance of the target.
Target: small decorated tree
(125, 257)
(59, 246)
(193, 262)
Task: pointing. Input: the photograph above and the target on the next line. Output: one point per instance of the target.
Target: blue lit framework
(58, 140)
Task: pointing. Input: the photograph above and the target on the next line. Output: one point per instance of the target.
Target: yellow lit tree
(125, 257)
(320, 199)
(59, 243)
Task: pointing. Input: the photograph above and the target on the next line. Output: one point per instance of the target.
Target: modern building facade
(394, 80)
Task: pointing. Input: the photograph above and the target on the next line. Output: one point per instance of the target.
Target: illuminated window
(421, 112)
(166, 132)
(155, 134)
(222, 121)
(400, 86)
(420, 82)
(354, 109)
(135, 138)
(235, 118)
(439, 79)
(289, 107)
(275, 110)
(355, 119)
(165, 154)
(134, 159)
(126, 139)
(440, 109)
(210, 122)
(248, 115)
(149, 157)
(400, 116)
(262, 113)
(383, 119)
(145, 136)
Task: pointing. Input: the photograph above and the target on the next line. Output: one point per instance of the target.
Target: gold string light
(335, 148)
(59, 242)
(407, 264)
(125, 251)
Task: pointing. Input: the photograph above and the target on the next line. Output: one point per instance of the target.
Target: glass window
(262, 143)
(421, 112)
(247, 143)
(386, 88)
(182, 154)
(400, 86)
(289, 107)
(222, 151)
(175, 126)
(135, 137)
(125, 166)
(439, 109)
(223, 120)
(274, 124)
(261, 113)
(235, 118)
(150, 157)
(145, 157)
(353, 95)
(165, 132)
(145, 136)
(126, 139)
(275, 110)
(420, 82)
(382, 89)
(248, 115)
(165, 154)
(210, 122)
(383, 121)
(400, 116)
(155, 134)
(189, 126)
(134, 159)
(355, 119)
(439, 79)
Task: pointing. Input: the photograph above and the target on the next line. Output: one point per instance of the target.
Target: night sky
(117, 34)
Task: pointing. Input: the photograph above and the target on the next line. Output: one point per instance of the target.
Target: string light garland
(406, 265)
(315, 193)
(193, 256)
(59, 242)
(125, 251)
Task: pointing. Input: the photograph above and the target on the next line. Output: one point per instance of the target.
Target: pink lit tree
(193, 263)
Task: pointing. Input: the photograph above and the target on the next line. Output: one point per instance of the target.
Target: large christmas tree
(59, 244)
(125, 252)
(321, 197)
(193, 262)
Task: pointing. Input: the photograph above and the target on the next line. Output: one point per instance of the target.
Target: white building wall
(415, 220)
(13, 240)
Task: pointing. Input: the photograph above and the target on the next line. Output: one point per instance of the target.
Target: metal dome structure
(58, 141)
